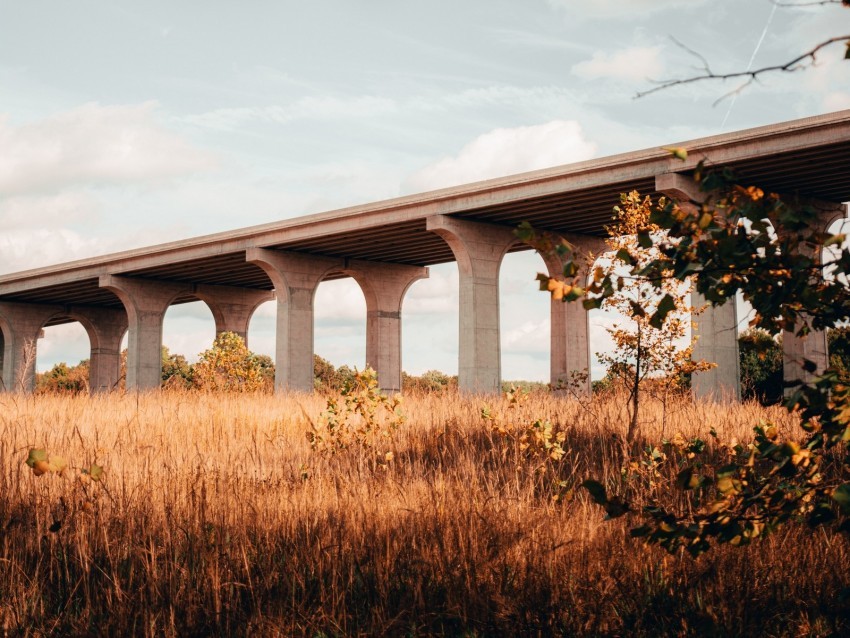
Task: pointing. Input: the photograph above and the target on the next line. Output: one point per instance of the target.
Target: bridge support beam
(231, 306)
(145, 302)
(478, 249)
(384, 286)
(570, 327)
(716, 327)
(295, 278)
(21, 324)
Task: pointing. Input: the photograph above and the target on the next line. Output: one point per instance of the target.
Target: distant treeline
(761, 371)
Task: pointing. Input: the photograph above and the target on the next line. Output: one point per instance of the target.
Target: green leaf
(835, 239)
(570, 269)
(625, 256)
(574, 293)
(726, 470)
(592, 303)
(95, 472)
(841, 495)
(665, 307)
(597, 491)
(35, 456)
(644, 240)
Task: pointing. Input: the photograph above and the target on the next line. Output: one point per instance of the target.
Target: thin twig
(802, 61)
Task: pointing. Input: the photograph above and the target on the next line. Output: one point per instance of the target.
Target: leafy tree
(645, 349)
(726, 243)
(63, 378)
(761, 366)
(428, 382)
(228, 366)
(266, 366)
(176, 371)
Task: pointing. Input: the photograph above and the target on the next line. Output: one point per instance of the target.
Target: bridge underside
(807, 157)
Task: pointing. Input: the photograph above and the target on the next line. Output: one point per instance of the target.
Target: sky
(126, 124)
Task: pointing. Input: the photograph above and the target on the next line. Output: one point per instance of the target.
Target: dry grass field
(215, 517)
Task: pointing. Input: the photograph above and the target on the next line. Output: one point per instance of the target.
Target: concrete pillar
(570, 354)
(145, 302)
(106, 328)
(21, 325)
(716, 327)
(295, 277)
(232, 306)
(384, 286)
(478, 249)
(814, 346)
(716, 333)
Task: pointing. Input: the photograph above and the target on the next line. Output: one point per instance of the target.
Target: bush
(761, 366)
(229, 366)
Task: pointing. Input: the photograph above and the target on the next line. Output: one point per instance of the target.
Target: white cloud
(505, 151)
(21, 249)
(836, 101)
(339, 300)
(529, 337)
(627, 65)
(22, 211)
(94, 145)
(437, 295)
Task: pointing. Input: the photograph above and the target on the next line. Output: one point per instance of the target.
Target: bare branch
(802, 61)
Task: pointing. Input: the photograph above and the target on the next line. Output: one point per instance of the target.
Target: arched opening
(62, 356)
(524, 318)
(262, 329)
(429, 323)
(339, 323)
(188, 329)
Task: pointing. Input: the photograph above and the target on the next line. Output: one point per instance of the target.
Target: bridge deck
(809, 157)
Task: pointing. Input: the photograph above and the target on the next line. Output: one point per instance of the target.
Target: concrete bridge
(386, 246)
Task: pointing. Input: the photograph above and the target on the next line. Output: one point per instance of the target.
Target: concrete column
(384, 286)
(295, 277)
(478, 249)
(716, 327)
(145, 302)
(106, 328)
(814, 346)
(21, 325)
(570, 352)
(716, 333)
(231, 306)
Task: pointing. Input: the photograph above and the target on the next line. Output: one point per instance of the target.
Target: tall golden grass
(214, 517)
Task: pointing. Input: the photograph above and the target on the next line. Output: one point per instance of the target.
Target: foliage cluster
(228, 366)
(64, 378)
(761, 366)
(361, 417)
(428, 382)
(727, 243)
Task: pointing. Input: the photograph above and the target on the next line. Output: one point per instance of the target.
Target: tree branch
(802, 61)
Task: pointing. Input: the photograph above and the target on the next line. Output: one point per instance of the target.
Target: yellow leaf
(679, 152)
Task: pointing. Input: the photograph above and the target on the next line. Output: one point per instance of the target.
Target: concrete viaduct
(386, 246)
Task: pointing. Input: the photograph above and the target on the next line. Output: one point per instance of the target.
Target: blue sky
(126, 124)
